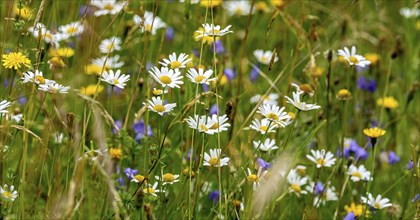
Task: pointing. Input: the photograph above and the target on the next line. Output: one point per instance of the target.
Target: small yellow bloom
(210, 3)
(91, 89)
(24, 12)
(186, 172)
(115, 153)
(344, 94)
(56, 62)
(292, 115)
(373, 132)
(356, 209)
(138, 178)
(15, 60)
(372, 57)
(387, 102)
(62, 52)
(94, 69)
(279, 3)
(261, 6)
(307, 88)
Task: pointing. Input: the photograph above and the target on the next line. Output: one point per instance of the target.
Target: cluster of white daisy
(46, 85)
(54, 37)
(10, 116)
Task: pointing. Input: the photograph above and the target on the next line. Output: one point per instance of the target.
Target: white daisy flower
(274, 113)
(211, 30)
(376, 203)
(309, 91)
(216, 124)
(271, 99)
(300, 105)
(200, 76)
(268, 145)
(3, 105)
(72, 29)
(237, 7)
(13, 117)
(264, 57)
(158, 106)
(108, 62)
(296, 182)
(176, 62)
(93, 155)
(39, 30)
(149, 23)
(110, 45)
(214, 158)
(263, 126)
(410, 12)
(321, 158)
(105, 7)
(353, 58)
(168, 178)
(199, 123)
(167, 77)
(359, 173)
(36, 77)
(255, 179)
(152, 190)
(54, 88)
(8, 193)
(115, 79)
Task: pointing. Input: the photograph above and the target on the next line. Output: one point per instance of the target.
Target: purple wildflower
(214, 196)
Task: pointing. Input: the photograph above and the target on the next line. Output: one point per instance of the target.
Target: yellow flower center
(71, 30)
(115, 153)
(295, 187)
(115, 81)
(199, 78)
(157, 92)
(263, 128)
(110, 46)
(148, 27)
(108, 7)
(203, 127)
(215, 126)
(214, 161)
(377, 205)
(40, 79)
(165, 79)
(357, 174)
(263, 59)
(7, 194)
(253, 178)
(175, 64)
(149, 190)
(354, 60)
(159, 108)
(139, 178)
(168, 177)
(272, 116)
(321, 161)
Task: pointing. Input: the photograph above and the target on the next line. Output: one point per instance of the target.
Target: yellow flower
(56, 62)
(292, 115)
(279, 3)
(91, 89)
(62, 52)
(15, 60)
(210, 3)
(261, 6)
(356, 209)
(344, 94)
(387, 102)
(94, 69)
(372, 57)
(373, 132)
(115, 153)
(24, 12)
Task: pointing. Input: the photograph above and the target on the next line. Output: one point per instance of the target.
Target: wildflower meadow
(209, 109)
